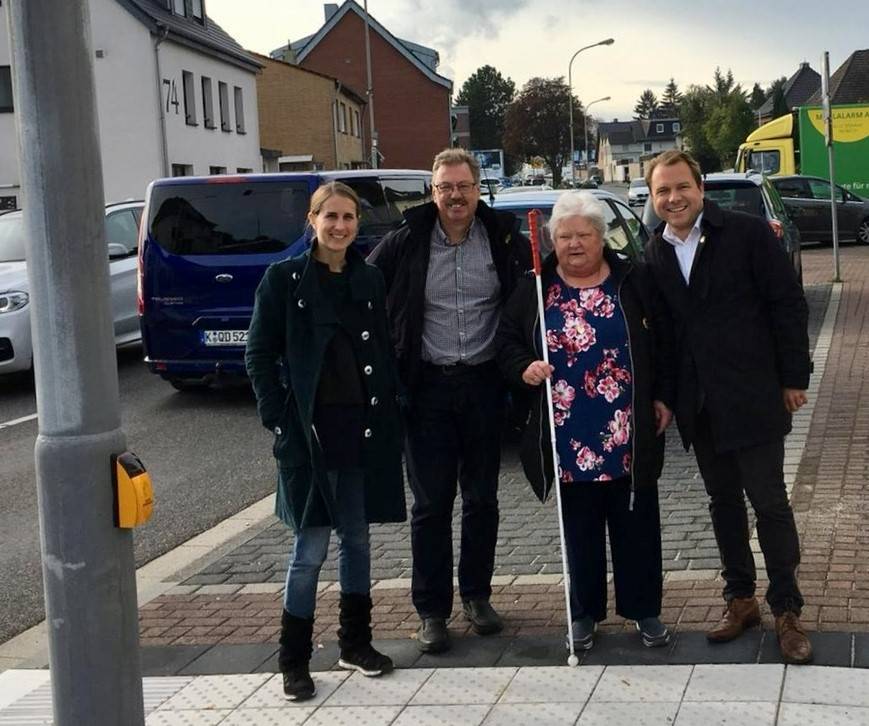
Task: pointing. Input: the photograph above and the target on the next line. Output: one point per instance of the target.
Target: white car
(122, 225)
(638, 193)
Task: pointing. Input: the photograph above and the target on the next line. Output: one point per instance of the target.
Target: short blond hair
(671, 157)
(455, 156)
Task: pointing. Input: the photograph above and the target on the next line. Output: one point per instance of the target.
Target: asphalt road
(207, 454)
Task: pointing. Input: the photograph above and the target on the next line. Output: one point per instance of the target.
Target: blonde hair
(333, 189)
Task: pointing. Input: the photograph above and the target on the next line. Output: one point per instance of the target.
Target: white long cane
(533, 217)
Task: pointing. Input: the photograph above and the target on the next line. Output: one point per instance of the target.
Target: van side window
(402, 194)
(376, 217)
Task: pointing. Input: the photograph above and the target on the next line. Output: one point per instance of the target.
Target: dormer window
(189, 9)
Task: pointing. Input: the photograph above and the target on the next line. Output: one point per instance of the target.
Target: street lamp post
(585, 126)
(608, 41)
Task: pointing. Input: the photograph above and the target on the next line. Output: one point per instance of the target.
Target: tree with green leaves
(671, 100)
(538, 123)
(757, 97)
(646, 106)
(715, 121)
(487, 94)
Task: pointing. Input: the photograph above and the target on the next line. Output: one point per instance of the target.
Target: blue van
(205, 243)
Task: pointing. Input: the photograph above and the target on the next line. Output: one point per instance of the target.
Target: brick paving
(236, 599)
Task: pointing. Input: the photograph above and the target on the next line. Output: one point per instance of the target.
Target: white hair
(578, 204)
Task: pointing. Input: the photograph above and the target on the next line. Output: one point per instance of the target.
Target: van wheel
(863, 232)
(186, 384)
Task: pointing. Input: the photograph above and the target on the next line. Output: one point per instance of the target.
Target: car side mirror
(116, 249)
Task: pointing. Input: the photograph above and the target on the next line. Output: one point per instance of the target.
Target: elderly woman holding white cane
(603, 354)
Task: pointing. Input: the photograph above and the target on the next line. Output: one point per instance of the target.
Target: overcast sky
(759, 40)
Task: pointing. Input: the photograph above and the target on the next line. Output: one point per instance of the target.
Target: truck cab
(770, 149)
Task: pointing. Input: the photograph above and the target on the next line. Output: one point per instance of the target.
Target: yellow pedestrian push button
(134, 497)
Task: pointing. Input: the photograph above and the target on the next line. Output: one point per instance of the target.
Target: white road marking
(16, 421)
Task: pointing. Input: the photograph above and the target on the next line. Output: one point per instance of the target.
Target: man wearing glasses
(448, 269)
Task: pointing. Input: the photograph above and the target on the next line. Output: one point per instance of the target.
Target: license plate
(224, 337)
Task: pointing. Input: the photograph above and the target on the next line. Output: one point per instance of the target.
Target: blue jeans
(312, 544)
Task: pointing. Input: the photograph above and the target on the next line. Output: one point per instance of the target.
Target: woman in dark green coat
(320, 361)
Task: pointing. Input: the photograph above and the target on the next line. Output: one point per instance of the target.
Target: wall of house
(9, 177)
(194, 145)
(296, 116)
(411, 112)
(126, 86)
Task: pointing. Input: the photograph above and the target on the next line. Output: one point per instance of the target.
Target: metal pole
(608, 41)
(828, 138)
(374, 152)
(87, 564)
(585, 124)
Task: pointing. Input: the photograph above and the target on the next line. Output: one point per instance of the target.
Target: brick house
(311, 120)
(411, 100)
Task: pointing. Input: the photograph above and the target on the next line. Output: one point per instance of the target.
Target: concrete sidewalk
(702, 695)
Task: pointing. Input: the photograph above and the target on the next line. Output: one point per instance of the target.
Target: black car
(807, 199)
(751, 193)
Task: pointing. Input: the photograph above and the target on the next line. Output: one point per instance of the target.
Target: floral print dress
(592, 386)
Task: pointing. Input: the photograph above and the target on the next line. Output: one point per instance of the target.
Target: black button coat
(289, 334)
(740, 329)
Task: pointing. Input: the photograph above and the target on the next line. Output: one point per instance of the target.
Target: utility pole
(375, 161)
(87, 563)
(828, 140)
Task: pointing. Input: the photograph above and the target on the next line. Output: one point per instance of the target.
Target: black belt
(458, 369)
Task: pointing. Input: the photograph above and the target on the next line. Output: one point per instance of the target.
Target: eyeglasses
(462, 187)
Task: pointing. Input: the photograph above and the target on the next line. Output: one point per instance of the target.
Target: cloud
(449, 22)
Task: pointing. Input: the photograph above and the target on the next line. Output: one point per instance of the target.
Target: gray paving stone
(829, 649)
(168, 660)
(227, 659)
(693, 647)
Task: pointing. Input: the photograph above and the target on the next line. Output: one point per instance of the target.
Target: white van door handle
(225, 277)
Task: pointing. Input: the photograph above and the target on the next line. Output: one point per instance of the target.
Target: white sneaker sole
(300, 698)
(353, 667)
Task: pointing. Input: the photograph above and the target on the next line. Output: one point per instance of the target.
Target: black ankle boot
(295, 655)
(354, 637)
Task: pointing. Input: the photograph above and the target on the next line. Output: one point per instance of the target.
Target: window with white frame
(207, 103)
(358, 123)
(239, 109)
(189, 98)
(223, 102)
(343, 127)
(659, 128)
(677, 127)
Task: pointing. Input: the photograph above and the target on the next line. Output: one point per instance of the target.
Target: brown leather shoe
(741, 613)
(792, 639)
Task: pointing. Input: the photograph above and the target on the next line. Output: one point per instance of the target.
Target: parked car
(638, 193)
(807, 199)
(206, 242)
(122, 224)
(625, 231)
(751, 193)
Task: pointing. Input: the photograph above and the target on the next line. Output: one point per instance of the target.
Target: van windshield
(228, 218)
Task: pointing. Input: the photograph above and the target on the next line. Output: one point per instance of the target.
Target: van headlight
(12, 301)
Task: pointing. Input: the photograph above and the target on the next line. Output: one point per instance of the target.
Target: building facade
(411, 100)
(625, 146)
(175, 95)
(311, 120)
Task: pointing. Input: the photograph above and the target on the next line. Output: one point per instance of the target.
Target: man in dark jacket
(448, 271)
(740, 321)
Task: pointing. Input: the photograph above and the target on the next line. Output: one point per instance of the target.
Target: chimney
(329, 9)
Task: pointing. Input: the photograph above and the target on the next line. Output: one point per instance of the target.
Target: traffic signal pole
(87, 563)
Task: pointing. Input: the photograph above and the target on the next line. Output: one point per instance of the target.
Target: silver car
(122, 231)
(638, 193)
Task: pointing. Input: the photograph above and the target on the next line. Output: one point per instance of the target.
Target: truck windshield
(766, 162)
(227, 218)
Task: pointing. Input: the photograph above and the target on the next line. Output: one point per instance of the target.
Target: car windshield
(11, 238)
(637, 183)
(743, 198)
(224, 219)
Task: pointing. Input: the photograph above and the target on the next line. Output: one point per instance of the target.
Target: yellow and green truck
(794, 144)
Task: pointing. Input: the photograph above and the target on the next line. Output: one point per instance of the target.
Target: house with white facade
(176, 95)
(625, 146)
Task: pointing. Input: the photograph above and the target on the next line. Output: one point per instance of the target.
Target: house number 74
(171, 94)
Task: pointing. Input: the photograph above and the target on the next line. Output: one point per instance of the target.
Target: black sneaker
(583, 634)
(366, 660)
(433, 636)
(654, 632)
(298, 684)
